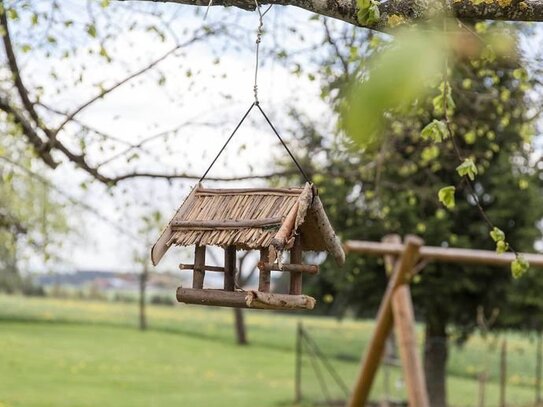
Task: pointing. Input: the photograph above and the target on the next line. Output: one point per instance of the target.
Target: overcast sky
(215, 93)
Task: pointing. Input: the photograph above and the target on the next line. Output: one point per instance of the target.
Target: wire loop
(259, 32)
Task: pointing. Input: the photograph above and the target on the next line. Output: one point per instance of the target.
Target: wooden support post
(199, 267)
(404, 327)
(296, 258)
(390, 344)
(265, 275)
(229, 268)
(375, 348)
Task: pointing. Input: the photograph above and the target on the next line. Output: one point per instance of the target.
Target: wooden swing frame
(396, 307)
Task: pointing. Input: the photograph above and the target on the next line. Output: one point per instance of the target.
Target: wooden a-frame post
(395, 306)
(406, 336)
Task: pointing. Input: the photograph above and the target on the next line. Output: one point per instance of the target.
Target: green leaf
(8, 177)
(446, 196)
(519, 266)
(429, 153)
(12, 14)
(91, 30)
(497, 234)
(436, 131)
(368, 12)
(103, 53)
(467, 168)
(444, 98)
(502, 246)
(388, 88)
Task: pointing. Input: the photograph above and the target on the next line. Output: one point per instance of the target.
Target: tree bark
(241, 333)
(435, 361)
(394, 12)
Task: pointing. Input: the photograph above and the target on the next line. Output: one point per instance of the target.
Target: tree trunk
(241, 333)
(435, 361)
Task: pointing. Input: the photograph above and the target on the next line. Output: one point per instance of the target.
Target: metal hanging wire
(259, 32)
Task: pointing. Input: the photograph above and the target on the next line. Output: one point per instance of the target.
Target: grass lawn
(82, 353)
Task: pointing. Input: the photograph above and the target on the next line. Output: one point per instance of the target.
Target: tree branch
(394, 12)
(28, 130)
(186, 176)
(14, 68)
(104, 92)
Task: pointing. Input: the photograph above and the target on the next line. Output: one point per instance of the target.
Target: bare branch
(106, 91)
(115, 180)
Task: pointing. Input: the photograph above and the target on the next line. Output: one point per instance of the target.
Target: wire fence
(487, 371)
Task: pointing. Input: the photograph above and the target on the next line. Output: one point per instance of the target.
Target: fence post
(503, 372)
(298, 365)
(538, 368)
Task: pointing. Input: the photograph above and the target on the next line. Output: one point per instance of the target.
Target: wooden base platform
(245, 299)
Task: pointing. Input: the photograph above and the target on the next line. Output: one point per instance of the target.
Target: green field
(81, 353)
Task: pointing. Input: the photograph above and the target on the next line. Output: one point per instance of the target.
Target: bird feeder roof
(248, 219)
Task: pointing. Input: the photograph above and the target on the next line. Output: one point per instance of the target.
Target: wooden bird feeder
(271, 220)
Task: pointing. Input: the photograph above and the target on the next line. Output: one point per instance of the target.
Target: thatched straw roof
(248, 219)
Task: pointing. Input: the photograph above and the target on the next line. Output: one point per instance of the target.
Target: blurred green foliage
(32, 220)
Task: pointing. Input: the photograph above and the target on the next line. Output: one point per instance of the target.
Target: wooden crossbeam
(442, 254)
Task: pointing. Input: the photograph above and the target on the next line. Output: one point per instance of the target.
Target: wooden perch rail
(294, 268)
(244, 299)
(443, 254)
(204, 268)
